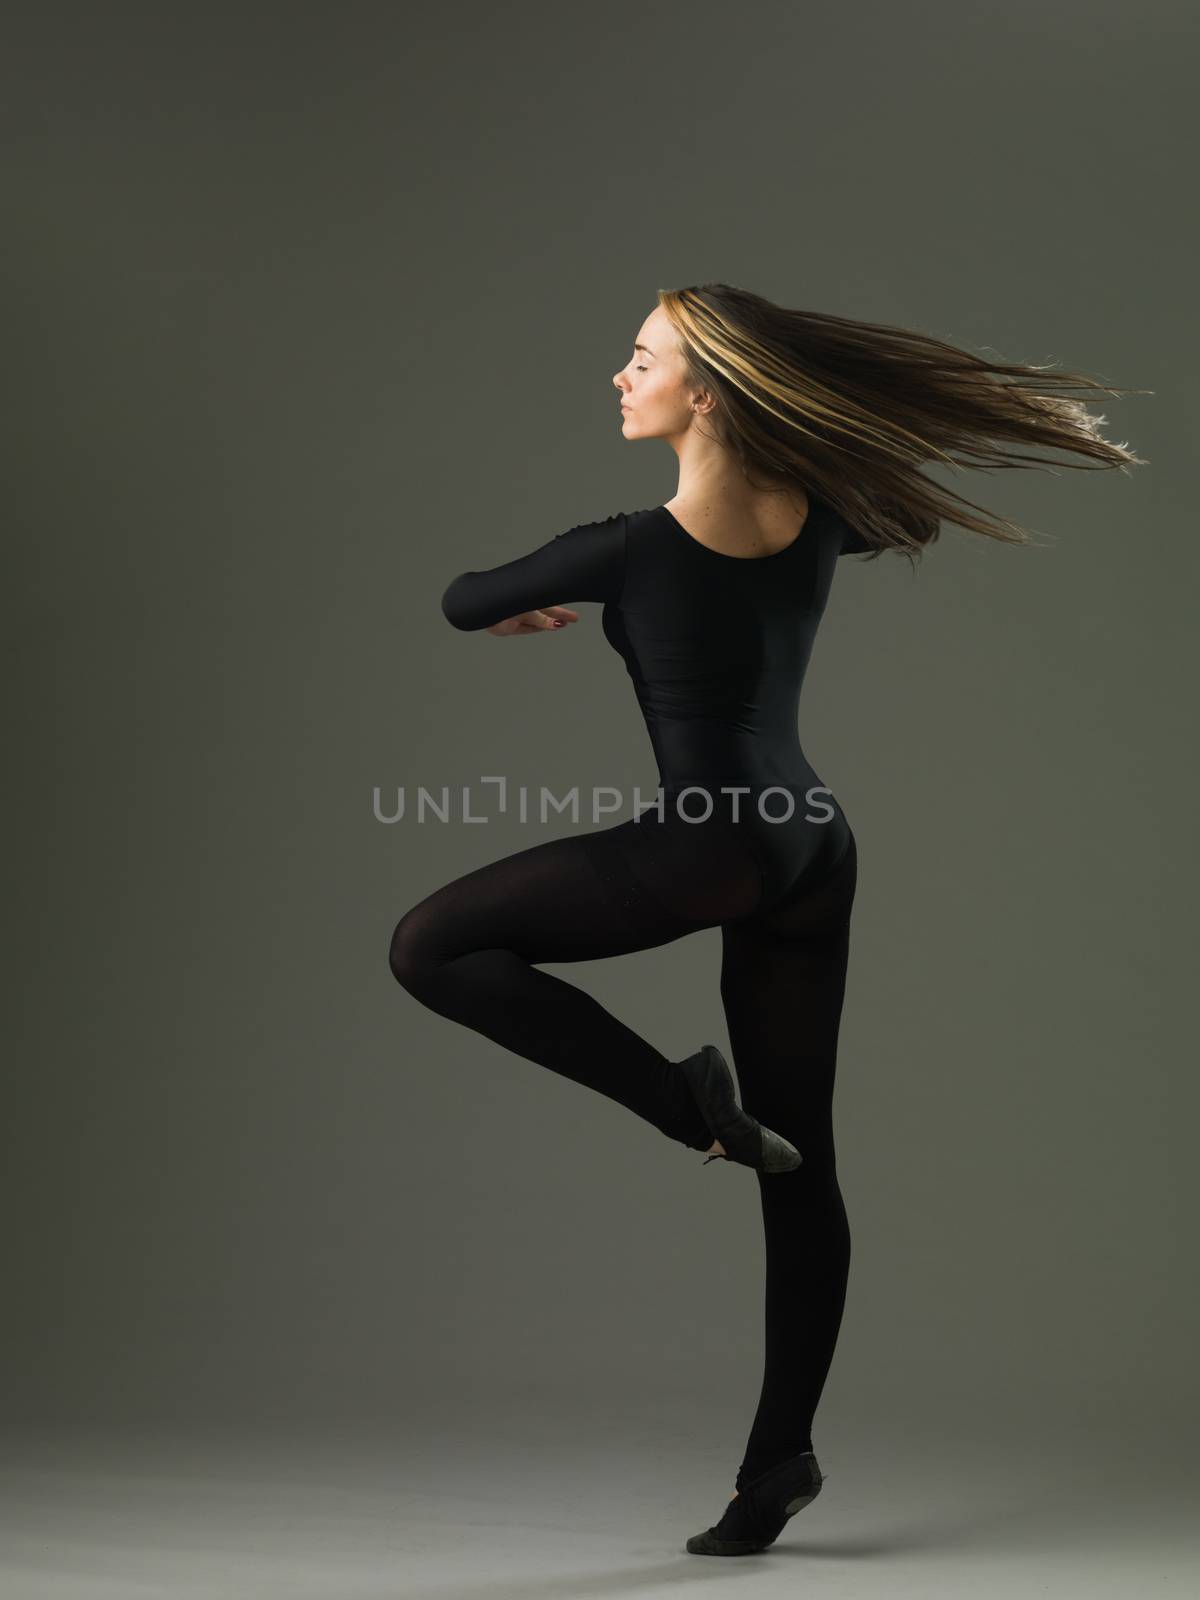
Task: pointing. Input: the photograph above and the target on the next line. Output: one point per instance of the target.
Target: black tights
(471, 951)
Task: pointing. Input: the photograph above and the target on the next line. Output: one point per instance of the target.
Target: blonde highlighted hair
(852, 409)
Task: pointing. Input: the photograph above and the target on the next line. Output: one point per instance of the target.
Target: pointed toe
(755, 1518)
(744, 1138)
(778, 1153)
(708, 1544)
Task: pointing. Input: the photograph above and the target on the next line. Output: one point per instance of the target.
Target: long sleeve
(585, 563)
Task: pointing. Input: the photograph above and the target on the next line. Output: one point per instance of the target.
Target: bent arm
(585, 563)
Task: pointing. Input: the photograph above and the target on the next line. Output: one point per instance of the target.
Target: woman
(799, 438)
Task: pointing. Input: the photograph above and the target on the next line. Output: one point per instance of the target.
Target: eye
(639, 369)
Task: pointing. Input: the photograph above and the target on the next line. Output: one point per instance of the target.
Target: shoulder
(611, 530)
(848, 540)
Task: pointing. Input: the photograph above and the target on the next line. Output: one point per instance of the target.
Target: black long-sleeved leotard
(717, 647)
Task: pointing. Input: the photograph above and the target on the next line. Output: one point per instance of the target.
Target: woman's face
(655, 403)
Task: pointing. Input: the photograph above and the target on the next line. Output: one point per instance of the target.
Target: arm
(585, 563)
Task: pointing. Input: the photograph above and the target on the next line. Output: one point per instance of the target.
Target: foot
(774, 1497)
(710, 1081)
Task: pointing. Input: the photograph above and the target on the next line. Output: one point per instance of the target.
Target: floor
(513, 1509)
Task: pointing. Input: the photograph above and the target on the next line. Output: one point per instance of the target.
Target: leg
(470, 951)
(782, 983)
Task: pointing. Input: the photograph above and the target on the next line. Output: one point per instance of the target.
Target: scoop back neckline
(724, 555)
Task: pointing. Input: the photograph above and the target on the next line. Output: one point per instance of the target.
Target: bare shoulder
(752, 525)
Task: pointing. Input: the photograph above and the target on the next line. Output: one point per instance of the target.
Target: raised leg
(471, 950)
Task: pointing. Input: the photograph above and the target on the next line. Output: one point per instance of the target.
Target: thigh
(783, 979)
(700, 874)
(586, 896)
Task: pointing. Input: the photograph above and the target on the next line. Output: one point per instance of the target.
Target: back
(717, 646)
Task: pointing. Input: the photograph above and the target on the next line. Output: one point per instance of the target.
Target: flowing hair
(851, 409)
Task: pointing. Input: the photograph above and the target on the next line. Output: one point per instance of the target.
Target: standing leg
(470, 951)
(782, 982)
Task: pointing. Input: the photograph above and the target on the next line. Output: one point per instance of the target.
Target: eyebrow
(646, 348)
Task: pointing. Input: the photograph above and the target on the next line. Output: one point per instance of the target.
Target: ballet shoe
(756, 1516)
(745, 1140)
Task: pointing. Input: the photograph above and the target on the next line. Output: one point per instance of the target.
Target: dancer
(799, 437)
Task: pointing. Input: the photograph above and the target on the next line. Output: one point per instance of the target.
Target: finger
(564, 612)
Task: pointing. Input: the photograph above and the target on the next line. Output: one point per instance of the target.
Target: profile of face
(656, 403)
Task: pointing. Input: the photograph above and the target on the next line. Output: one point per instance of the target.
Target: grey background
(310, 309)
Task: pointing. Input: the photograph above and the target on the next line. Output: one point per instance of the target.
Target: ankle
(750, 1470)
(682, 1120)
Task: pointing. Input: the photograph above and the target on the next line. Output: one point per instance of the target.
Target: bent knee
(410, 954)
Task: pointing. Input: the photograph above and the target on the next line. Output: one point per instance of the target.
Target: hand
(552, 617)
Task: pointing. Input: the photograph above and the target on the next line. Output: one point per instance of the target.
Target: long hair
(851, 409)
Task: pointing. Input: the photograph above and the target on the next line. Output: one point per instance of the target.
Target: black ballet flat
(755, 1518)
(708, 1077)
